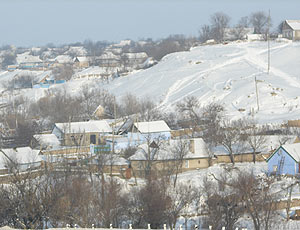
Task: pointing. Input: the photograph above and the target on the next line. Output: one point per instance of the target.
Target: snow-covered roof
(47, 140)
(78, 50)
(123, 43)
(109, 55)
(294, 24)
(63, 59)
(23, 155)
(95, 70)
(141, 55)
(85, 126)
(152, 126)
(27, 58)
(81, 59)
(166, 150)
(293, 150)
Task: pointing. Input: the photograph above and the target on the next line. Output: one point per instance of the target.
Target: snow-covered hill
(225, 74)
(219, 73)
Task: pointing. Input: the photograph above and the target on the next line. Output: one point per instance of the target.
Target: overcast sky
(38, 22)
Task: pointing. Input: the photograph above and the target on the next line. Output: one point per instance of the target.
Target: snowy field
(219, 73)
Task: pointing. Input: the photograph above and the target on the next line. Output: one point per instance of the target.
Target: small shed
(285, 160)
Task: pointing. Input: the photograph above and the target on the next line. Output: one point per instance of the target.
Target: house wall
(64, 151)
(82, 138)
(159, 166)
(83, 64)
(160, 135)
(290, 167)
(247, 157)
(297, 35)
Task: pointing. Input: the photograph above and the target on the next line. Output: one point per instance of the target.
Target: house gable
(282, 162)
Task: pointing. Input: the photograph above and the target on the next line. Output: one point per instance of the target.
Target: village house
(27, 61)
(81, 62)
(82, 133)
(163, 156)
(134, 60)
(291, 29)
(285, 160)
(23, 158)
(143, 131)
(108, 59)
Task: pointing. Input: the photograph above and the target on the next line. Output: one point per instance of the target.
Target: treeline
(260, 21)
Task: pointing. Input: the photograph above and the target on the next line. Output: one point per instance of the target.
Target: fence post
(93, 226)
(165, 227)
(110, 226)
(130, 226)
(149, 227)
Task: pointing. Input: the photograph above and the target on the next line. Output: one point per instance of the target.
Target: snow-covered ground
(219, 73)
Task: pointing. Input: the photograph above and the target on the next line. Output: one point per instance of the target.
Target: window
(93, 139)
(186, 164)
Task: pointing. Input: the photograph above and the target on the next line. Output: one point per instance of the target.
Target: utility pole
(256, 94)
(268, 37)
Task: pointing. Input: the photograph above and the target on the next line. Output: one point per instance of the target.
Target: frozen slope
(225, 74)
(219, 73)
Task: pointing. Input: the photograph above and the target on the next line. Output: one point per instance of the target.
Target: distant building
(81, 62)
(291, 29)
(235, 33)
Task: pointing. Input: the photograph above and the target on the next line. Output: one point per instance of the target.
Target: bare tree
(179, 198)
(239, 30)
(258, 198)
(219, 21)
(9, 58)
(259, 21)
(223, 202)
(64, 72)
(178, 152)
(230, 137)
(205, 33)
(253, 136)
